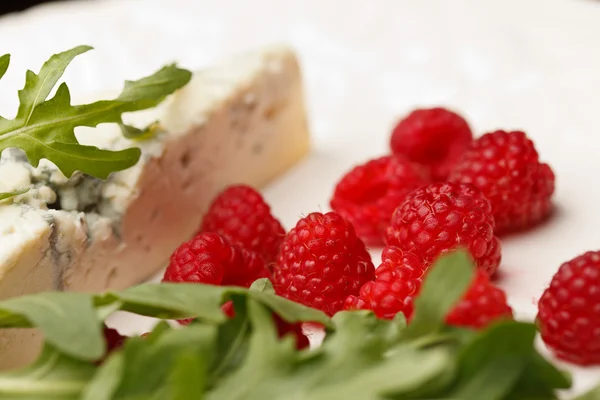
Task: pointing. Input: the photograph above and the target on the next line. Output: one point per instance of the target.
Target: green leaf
(8, 195)
(172, 300)
(4, 63)
(490, 366)
(232, 342)
(188, 377)
(153, 369)
(68, 321)
(361, 358)
(105, 382)
(377, 337)
(192, 300)
(593, 394)
(436, 388)
(38, 87)
(375, 365)
(133, 133)
(263, 285)
(548, 373)
(445, 283)
(82, 336)
(52, 376)
(152, 89)
(403, 373)
(289, 310)
(45, 128)
(539, 380)
(96, 162)
(159, 329)
(109, 376)
(267, 360)
(345, 367)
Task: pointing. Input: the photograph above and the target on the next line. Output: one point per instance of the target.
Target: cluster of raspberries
(437, 190)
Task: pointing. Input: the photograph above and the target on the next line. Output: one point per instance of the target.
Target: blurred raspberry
(368, 195)
(434, 138)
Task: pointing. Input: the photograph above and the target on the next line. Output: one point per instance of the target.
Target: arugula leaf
(492, 363)
(267, 360)
(38, 87)
(53, 313)
(233, 336)
(171, 301)
(105, 382)
(232, 343)
(192, 300)
(45, 128)
(153, 370)
(362, 357)
(7, 195)
(343, 367)
(377, 337)
(53, 376)
(81, 337)
(436, 388)
(444, 285)
(548, 374)
(151, 90)
(263, 285)
(188, 377)
(408, 370)
(539, 380)
(133, 133)
(109, 376)
(4, 62)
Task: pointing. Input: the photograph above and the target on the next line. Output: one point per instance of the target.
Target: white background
(532, 65)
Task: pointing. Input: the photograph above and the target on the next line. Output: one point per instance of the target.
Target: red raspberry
(228, 309)
(210, 258)
(397, 282)
(506, 168)
(368, 195)
(353, 302)
(285, 328)
(569, 311)
(540, 206)
(433, 137)
(442, 216)
(242, 216)
(322, 262)
(114, 340)
(482, 304)
(396, 290)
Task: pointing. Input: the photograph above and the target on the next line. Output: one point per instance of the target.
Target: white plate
(505, 64)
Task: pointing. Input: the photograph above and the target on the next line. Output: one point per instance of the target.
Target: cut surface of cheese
(240, 122)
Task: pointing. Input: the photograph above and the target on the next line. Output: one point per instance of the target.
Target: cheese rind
(240, 122)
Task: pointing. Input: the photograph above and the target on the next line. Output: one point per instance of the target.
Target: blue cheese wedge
(240, 122)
